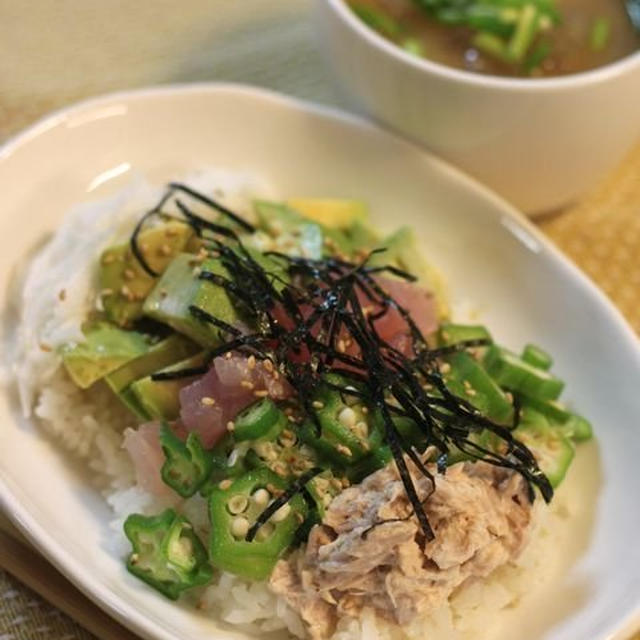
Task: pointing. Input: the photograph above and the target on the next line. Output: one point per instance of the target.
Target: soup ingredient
(166, 554)
(507, 37)
(368, 550)
(633, 10)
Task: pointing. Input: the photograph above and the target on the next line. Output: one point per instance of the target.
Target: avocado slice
(362, 237)
(124, 282)
(160, 399)
(105, 349)
(292, 234)
(332, 213)
(129, 399)
(162, 354)
(180, 288)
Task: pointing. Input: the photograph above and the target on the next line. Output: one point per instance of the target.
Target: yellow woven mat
(602, 235)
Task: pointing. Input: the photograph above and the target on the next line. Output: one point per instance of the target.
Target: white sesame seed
(281, 513)
(345, 451)
(238, 504)
(251, 362)
(264, 532)
(239, 527)
(225, 484)
(231, 425)
(261, 497)
(207, 401)
(347, 417)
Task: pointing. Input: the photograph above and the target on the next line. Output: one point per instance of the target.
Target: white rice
(89, 424)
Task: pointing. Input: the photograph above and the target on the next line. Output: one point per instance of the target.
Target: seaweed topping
(302, 327)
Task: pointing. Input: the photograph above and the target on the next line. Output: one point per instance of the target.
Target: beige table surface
(53, 52)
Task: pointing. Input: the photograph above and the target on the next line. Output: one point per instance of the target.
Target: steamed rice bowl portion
(63, 289)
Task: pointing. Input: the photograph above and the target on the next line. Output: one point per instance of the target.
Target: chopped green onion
(537, 56)
(414, 46)
(378, 21)
(489, 43)
(526, 31)
(600, 34)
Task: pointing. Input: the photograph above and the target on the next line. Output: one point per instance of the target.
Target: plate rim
(36, 533)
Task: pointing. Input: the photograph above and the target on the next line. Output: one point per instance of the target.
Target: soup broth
(589, 34)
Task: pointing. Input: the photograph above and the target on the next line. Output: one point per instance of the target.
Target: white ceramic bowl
(492, 257)
(539, 143)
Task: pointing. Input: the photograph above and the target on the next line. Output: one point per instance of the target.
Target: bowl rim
(611, 70)
(29, 525)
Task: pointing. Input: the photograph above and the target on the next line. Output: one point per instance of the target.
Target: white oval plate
(489, 253)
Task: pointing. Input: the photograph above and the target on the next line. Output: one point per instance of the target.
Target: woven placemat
(602, 235)
(24, 615)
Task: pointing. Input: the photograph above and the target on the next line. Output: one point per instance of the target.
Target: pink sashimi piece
(228, 387)
(417, 301)
(143, 446)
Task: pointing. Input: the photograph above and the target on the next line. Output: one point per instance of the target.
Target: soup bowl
(539, 142)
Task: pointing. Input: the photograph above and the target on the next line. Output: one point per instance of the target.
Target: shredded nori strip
(178, 374)
(213, 204)
(133, 242)
(326, 302)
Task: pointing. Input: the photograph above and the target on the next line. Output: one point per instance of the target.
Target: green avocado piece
(331, 213)
(179, 288)
(159, 399)
(292, 234)
(362, 237)
(162, 354)
(129, 399)
(124, 283)
(105, 349)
